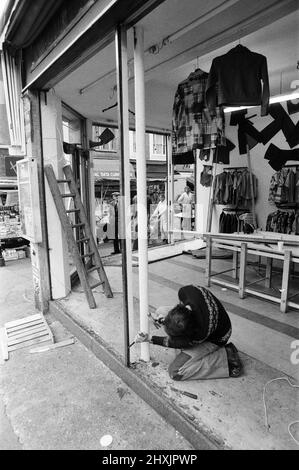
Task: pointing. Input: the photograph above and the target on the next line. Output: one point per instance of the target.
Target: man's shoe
(234, 362)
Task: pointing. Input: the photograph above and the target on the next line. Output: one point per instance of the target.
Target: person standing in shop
(160, 215)
(200, 326)
(116, 241)
(186, 200)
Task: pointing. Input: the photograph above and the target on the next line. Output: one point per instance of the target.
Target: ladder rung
(80, 224)
(94, 268)
(97, 284)
(82, 239)
(87, 254)
(72, 210)
(63, 181)
(68, 195)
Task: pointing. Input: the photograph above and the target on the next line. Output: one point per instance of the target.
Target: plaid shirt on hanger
(193, 127)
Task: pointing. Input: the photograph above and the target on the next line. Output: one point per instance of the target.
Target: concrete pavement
(66, 398)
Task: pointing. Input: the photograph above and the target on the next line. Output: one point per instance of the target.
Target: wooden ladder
(86, 237)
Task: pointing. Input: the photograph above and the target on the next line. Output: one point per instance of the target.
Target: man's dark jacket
(239, 78)
(211, 321)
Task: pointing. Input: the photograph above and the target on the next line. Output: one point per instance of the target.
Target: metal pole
(170, 190)
(125, 233)
(251, 187)
(141, 185)
(211, 199)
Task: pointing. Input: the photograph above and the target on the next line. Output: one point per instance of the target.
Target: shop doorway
(77, 156)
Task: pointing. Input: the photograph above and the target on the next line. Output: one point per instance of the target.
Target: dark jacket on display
(239, 78)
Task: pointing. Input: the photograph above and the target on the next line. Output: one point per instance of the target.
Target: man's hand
(160, 314)
(141, 337)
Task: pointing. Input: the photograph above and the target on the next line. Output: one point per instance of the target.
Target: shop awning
(109, 169)
(28, 20)
(155, 170)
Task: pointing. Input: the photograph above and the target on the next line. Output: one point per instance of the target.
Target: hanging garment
(219, 188)
(193, 127)
(278, 157)
(289, 129)
(234, 188)
(239, 78)
(204, 154)
(221, 152)
(293, 107)
(282, 222)
(228, 222)
(247, 135)
(237, 116)
(282, 187)
(296, 197)
(206, 176)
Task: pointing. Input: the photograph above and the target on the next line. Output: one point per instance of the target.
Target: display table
(272, 247)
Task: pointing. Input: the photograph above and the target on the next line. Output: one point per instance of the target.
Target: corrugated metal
(28, 20)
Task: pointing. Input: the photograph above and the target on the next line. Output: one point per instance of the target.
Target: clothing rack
(235, 168)
(235, 209)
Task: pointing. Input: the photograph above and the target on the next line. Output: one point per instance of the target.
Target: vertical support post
(141, 184)
(169, 191)
(268, 280)
(197, 212)
(51, 125)
(235, 264)
(251, 186)
(243, 262)
(124, 146)
(208, 260)
(91, 188)
(285, 281)
(39, 251)
(211, 203)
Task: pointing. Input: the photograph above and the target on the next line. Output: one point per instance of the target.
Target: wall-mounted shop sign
(28, 199)
(109, 169)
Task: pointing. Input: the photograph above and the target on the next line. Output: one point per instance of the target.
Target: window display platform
(157, 253)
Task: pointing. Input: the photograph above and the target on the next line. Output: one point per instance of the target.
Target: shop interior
(177, 45)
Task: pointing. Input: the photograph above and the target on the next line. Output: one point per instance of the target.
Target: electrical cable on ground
(265, 407)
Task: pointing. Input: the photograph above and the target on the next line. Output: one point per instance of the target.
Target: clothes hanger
(114, 106)
(197, 69)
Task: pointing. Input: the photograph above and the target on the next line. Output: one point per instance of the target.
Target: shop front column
(91, 189)
(52, 142)
(141, 185)
(125, 202)
(39, 251)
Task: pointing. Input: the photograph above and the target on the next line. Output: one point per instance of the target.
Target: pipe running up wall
(141, 185)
